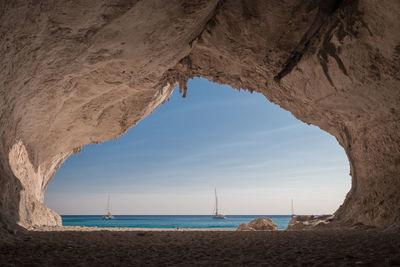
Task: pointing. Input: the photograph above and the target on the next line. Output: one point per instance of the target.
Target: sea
(169, 221)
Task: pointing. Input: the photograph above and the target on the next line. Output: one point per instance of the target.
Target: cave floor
(207, 248)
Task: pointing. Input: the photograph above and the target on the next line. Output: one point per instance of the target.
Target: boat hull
(219, 216)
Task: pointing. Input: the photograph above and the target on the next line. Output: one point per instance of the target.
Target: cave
(83, 72)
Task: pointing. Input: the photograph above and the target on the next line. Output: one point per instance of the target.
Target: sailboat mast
(216, 202)
(292, 209)
(108, 204)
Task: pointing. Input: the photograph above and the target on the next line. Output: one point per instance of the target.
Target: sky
(256, 154)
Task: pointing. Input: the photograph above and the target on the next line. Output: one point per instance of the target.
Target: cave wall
(81, 72)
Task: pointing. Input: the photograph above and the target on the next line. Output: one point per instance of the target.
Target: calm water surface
(169, 221)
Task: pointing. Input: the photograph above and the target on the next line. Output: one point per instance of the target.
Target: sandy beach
(83, 246)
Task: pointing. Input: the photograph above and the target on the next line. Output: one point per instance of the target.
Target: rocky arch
(82, 72)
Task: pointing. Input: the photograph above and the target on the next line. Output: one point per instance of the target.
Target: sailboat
(108, 215)
(216, 214)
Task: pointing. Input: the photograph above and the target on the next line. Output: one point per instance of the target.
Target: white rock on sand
(259, 224)
(308, 222)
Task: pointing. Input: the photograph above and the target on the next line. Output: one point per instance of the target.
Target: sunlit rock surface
(258, 224)
(244, 227)
(262, 223)
(309, 222)
(74, 73)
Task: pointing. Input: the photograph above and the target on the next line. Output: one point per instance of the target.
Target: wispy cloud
(279, 129)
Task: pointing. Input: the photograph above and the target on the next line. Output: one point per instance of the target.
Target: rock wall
(81, 72)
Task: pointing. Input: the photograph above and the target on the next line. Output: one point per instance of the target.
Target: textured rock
(244, 227)
(74, 73)
(262, 223)
(309, 222)
(258, 224)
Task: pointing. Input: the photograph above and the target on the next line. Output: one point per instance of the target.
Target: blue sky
(257, 155)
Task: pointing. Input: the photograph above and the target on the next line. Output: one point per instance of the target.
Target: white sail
(108, 215)
(216, 214)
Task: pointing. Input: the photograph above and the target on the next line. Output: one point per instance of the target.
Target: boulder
(263, 223)
(244, 227)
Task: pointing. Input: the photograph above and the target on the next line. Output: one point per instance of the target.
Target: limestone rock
(78, 74)
(244, 227)
(309, 222)
(262, 223)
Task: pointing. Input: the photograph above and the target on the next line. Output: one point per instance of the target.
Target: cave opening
(258, 155)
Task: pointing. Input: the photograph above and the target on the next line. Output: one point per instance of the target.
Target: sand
(82, 246)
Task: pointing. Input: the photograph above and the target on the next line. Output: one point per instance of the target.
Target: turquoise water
(169, 221)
